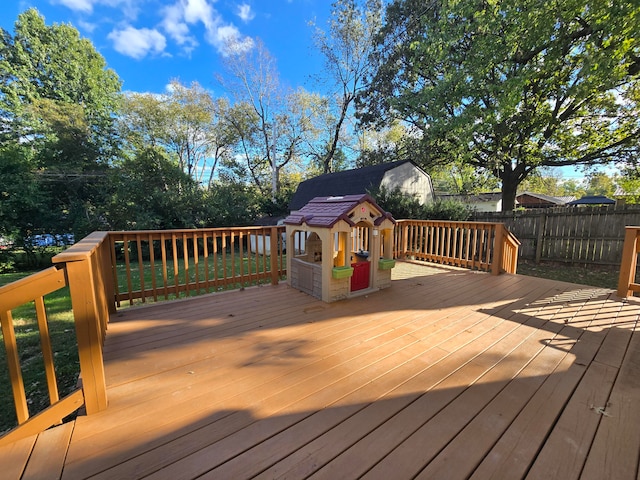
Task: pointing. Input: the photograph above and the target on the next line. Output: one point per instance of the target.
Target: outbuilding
(339, 246)
(403, 175)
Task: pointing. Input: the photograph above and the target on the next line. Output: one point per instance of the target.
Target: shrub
(447, 210)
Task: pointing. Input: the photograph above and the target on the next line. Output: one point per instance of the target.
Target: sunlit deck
(447, 374)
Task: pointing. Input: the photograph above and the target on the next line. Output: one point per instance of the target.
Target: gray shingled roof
(349, 182)
(593, 200)
(327, 211)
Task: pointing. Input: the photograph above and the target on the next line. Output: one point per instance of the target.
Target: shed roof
(593, 200)
(348, 182)
(539, 199)
(327, 211)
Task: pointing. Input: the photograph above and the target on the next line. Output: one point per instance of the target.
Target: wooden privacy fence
(590, 235)
(475, 245)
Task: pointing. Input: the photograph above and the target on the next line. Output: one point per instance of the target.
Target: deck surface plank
(615, 452)
(15, 457)
(446, 374)
(49, 452)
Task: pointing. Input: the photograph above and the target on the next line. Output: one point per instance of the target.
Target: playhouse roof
(327, 211)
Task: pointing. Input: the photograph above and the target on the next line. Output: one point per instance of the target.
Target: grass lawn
(63, 340)
(594, 275)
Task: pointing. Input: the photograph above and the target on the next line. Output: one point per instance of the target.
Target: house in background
(404, 174)
(538, 200)
(480, 202)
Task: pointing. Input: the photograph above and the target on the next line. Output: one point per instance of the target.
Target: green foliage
(447, 210)
(545, 182)
(187, 123)
(399, 204)
(232, 204)
(57, 106)
(23, 204)
(510, 86)
(600, 183)
(150, 191)
(345, 49)
(461, 178)
(403, 206)
(53, 63)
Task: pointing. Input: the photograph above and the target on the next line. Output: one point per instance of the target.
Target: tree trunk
(509, 190)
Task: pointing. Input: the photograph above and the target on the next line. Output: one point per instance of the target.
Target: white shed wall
(411, 180)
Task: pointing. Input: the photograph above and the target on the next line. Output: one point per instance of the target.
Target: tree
(599, 183)
(58, 99)
(513, 85)
(462, 178)
(187, 121)
(150, 191)
(346, 48)
(380, 145)
(629, 181)
(53, 63)
(270, 122)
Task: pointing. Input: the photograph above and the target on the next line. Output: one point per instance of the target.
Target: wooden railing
(85, 268)
(627, 283)
(107, 268)
(476, 245)
(153, 265)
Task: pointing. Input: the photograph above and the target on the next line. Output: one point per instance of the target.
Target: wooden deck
(448, 374)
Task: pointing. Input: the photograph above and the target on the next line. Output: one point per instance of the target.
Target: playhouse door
(360, 277)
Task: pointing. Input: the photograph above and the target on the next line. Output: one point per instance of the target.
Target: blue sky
(150, 42)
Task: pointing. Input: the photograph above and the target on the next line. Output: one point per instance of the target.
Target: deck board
(49, 453)
(446, 374)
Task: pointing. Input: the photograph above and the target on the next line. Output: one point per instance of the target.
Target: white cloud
(184, 13)
(245, 12)
(137, 43)
(228, 40)
(87, 26)
(177, 29)
(129, 8)
(85, 6)
(198, 10)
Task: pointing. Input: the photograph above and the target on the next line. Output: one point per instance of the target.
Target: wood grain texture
(446, 374)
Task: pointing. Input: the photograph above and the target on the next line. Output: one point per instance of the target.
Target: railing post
(629, 261)
(275, 254)
(405, 239)
(496, 260)
(86, 311)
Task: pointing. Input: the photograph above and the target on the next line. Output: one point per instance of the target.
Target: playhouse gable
(326, 212)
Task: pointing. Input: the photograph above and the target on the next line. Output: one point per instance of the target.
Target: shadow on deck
(447, 374)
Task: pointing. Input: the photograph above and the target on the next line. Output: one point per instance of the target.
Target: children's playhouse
(338, 247)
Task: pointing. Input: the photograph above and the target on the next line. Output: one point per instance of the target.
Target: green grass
(223, 271)
(593, 275)
(63, 342)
